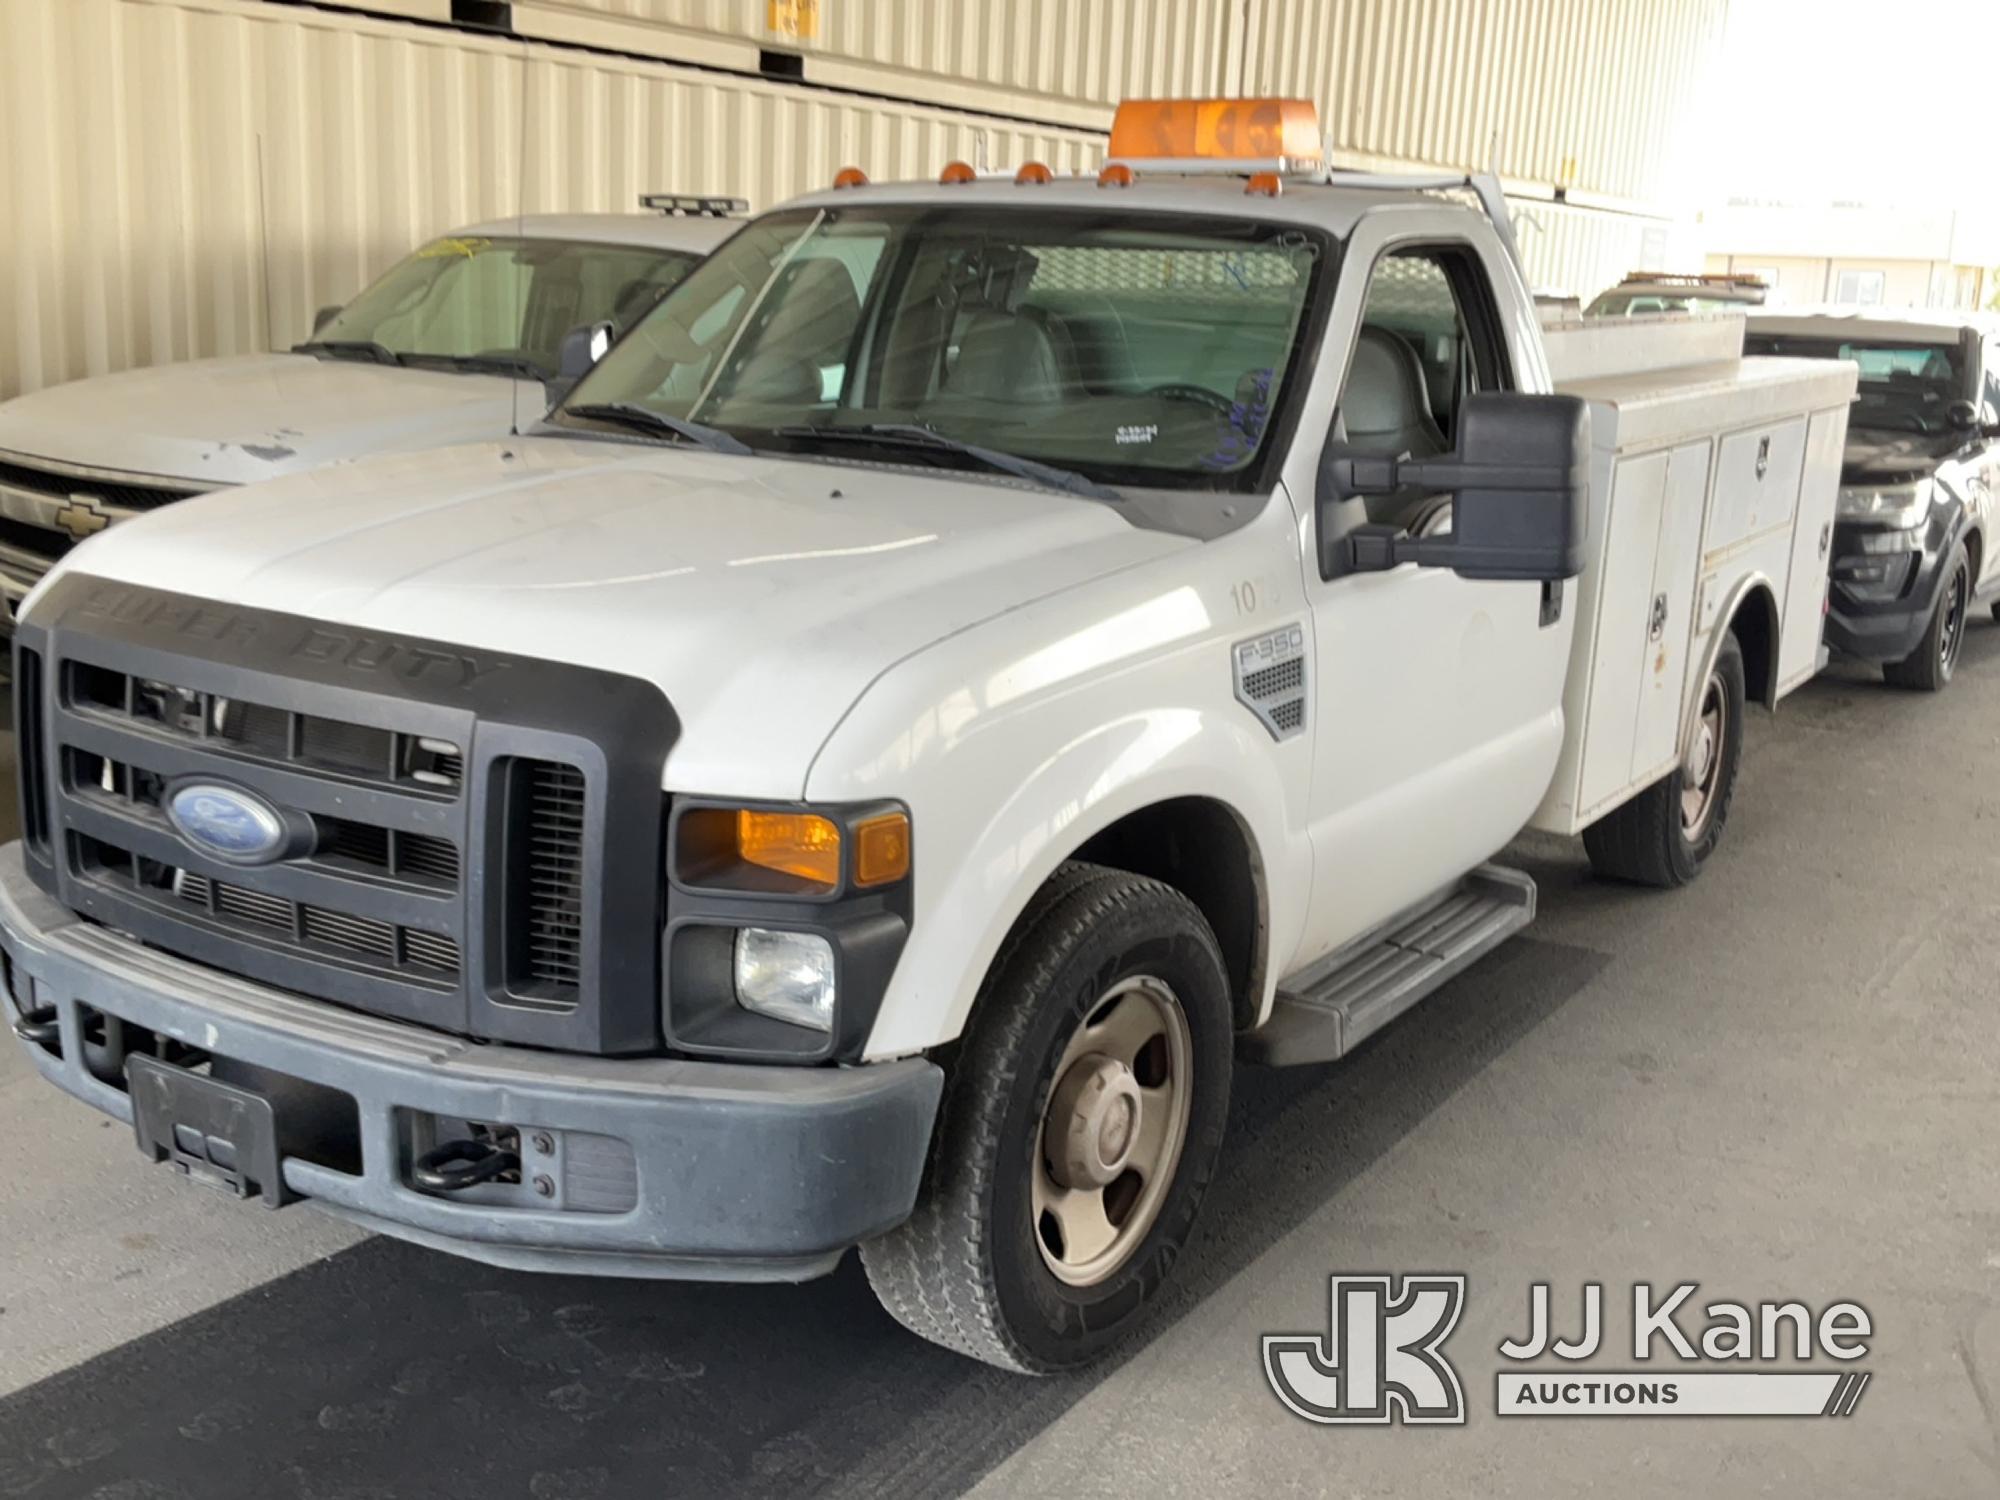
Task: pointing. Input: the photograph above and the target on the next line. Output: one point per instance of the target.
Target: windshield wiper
(1049, 476)
(350, 349)
(645, 419)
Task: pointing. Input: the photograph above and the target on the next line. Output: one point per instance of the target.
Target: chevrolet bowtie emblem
(80, 517)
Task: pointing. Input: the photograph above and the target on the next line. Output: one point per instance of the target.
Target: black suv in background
(1911, 554)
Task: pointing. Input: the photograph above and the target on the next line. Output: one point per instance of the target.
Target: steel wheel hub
(1112, 1131)
(1093, 1122)
(1701, 771)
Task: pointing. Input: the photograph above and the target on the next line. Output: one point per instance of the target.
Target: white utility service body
(1712, 481)
(1092, 709)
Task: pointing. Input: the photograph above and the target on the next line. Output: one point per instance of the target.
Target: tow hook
(39, 1026)
(458, 1165)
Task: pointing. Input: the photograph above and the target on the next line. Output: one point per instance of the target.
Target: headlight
(787, 976)
(1892, 505)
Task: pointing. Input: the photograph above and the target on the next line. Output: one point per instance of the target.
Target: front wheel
(1930, 666)
(1663, 836)
(1080, 1126)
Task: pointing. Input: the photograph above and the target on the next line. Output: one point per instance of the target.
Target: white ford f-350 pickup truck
(461, 339)
(977, 657)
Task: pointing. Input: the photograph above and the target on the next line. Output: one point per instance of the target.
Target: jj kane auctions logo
(1382, 1357)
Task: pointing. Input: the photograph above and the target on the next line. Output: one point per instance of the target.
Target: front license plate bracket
(216, 1133)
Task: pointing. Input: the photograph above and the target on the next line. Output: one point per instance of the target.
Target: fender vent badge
(1271, 679)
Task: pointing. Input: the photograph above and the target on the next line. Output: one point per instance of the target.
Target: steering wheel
(1201, 395)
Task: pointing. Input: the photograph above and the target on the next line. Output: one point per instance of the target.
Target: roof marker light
(1032, 172)
(955, 173)
(1116, 175)
(848, 177)
(1268, 184)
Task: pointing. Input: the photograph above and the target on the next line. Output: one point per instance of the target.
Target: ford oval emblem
(227, 822)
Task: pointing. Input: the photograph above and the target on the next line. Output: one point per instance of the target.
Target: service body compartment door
(1756, 481)
(1805, 587)
(1656, 736)
(1624, 611)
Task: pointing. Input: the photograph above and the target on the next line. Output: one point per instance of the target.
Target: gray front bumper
(743, 1172)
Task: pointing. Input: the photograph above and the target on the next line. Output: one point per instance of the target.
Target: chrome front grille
(47, 508)
(64, 481)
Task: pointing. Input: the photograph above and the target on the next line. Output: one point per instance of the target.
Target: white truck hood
(252, 417)
(763, 596)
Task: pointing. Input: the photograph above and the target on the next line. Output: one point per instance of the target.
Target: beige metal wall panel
(194, 177)
(1065, 61)
(1589, 94)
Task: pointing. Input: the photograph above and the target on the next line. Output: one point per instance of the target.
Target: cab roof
(1331, 206)
(696, 233)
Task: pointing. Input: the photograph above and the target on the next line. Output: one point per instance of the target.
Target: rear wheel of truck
(1930, 666)
(1663, 836)
(1079, 1129)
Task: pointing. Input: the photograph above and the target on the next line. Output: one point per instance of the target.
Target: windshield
(1118, 347)
(1904, 386)
(507, 302)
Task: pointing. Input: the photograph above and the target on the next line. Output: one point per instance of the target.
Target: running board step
(1323, 1012)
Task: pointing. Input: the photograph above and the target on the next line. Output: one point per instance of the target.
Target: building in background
(1859, 255)
(194, 177)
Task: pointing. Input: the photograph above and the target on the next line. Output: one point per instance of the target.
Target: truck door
(1439, 713)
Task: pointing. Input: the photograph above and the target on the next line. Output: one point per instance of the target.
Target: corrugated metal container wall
(194, 177)
(1589, 94)
(1582, 252)
(1060, 60)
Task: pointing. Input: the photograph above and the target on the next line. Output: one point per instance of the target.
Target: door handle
(1658, 624)
(1825, 537)
(1763, 455)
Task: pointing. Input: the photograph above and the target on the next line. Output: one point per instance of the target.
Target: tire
(976, 1266)
(1929, 667)
(1650, 840)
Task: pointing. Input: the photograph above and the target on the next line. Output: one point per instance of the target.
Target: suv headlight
(1897, 506)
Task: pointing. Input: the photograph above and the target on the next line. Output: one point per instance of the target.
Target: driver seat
(1386, 413)
(1018, 357)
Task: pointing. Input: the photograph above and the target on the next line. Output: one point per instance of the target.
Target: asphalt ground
(1779, 1083)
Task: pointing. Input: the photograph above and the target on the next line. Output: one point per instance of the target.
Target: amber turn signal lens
(882, 849)
(1117, 174)
(848, 177)
(1032, 173)
(802, 845)
(955, 173)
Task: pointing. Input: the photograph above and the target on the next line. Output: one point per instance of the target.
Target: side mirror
(325, 316)
(1520, 482)
(1963, 415)
(582, 347)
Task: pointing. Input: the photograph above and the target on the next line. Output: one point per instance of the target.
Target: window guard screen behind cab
(1135, 348)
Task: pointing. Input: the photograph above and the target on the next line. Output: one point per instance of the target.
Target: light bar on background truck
(693, 206)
